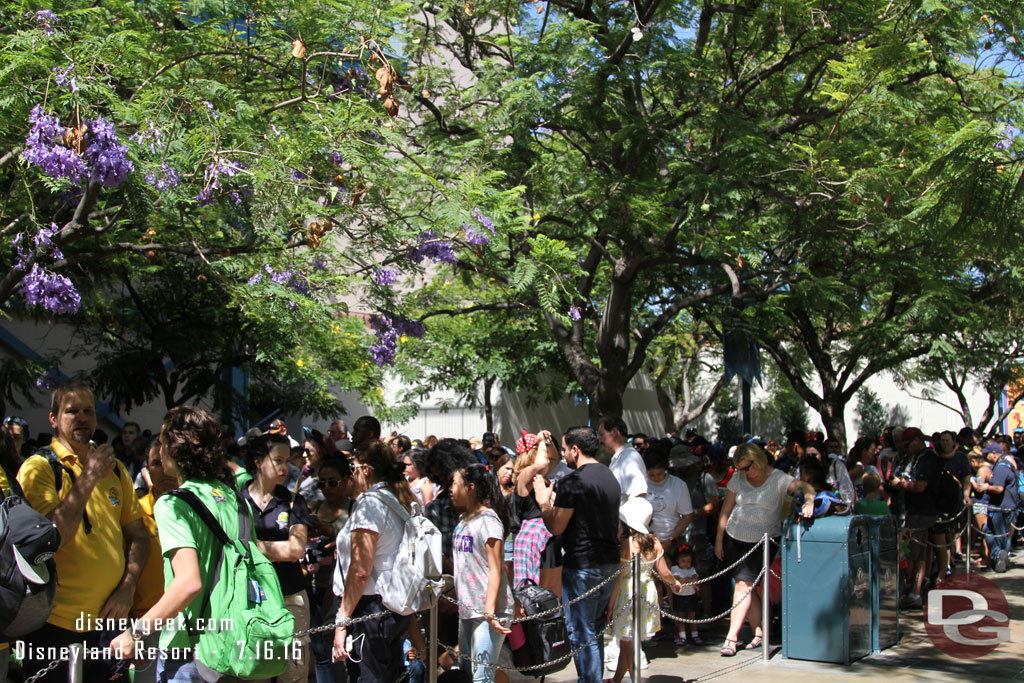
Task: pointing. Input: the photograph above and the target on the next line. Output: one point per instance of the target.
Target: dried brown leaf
(298, 48)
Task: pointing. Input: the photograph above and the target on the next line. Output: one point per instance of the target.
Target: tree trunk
(834, 419)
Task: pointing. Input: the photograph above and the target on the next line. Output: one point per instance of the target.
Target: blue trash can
(826, 590)
(885, 582)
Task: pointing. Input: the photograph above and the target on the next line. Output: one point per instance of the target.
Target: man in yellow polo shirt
(104, 542)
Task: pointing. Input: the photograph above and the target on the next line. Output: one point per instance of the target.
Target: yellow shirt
(89, 566)
(151, 583)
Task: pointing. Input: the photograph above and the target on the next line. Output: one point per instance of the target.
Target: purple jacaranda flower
(107, 158)
(43, 148)
(152, 134)
(385, 276)
(210, 108)
(63, 79)
(47, 381)
(483, 220)
(281, 278)
(168, 178)
(47, 18)
(475, 238)
(52, 291)
(277, 133)
(335, 158)
(437, 250)
(256, 279)
(297, 175)
(574, 313)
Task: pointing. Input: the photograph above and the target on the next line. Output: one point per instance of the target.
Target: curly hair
(191, 437)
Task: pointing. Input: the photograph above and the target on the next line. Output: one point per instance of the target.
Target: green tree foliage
(264, 146)
(676, 155)
(473, 354)
(872, 416)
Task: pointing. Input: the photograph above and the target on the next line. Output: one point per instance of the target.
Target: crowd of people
(564, 511)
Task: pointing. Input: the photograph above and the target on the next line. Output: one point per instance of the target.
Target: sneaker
(696, 639)
(680, 639)
(911, 601)
(1002, 560)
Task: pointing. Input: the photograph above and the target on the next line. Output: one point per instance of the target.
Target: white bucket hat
(636, 514)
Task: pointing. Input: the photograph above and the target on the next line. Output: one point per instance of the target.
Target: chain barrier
(526, 669)
(42, 672)
(708, 620)
(553, 610)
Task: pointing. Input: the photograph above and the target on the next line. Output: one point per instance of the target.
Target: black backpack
(25, 603)
(547, 638)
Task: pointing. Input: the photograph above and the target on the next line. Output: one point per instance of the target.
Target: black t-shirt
(958, 464)
(923, 467)
(272, 524)
(592, 537)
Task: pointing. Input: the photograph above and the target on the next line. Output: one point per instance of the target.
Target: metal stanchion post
(75, 662)
(638, 603)
(766, 601)
(432, 645)
(967, 550)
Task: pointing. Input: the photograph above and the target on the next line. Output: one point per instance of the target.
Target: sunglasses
(744, 469)
(328, 483)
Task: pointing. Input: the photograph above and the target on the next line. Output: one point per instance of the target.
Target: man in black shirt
(585, 511)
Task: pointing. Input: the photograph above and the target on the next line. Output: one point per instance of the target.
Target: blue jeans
(997, 531)
(587, 617)
(482, 643)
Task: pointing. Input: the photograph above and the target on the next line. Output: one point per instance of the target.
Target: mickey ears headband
(526, 442)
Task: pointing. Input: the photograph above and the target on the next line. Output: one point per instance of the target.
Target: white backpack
(414, 581)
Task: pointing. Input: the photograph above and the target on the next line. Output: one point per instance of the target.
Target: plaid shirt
(440, 512)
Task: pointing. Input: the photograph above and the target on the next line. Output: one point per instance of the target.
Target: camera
(319, 553)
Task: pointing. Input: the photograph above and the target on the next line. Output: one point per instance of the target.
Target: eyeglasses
(744, 469)
(307, 451)
(328, 483)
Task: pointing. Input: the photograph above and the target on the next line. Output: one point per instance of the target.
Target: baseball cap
(992, 448)
(911, 433)
(33, 541)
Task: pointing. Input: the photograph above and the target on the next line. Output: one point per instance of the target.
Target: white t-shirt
(373, 514)
(628, 468)
(469, 541)
(758, 510)
(680, 573)
(671, 501)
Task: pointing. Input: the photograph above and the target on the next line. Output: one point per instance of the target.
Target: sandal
(728, 649)
(754, 644)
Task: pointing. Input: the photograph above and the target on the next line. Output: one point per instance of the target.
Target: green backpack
(245, 594)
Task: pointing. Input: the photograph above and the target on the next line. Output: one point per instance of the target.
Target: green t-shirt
(180, 527)
(870, 507)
